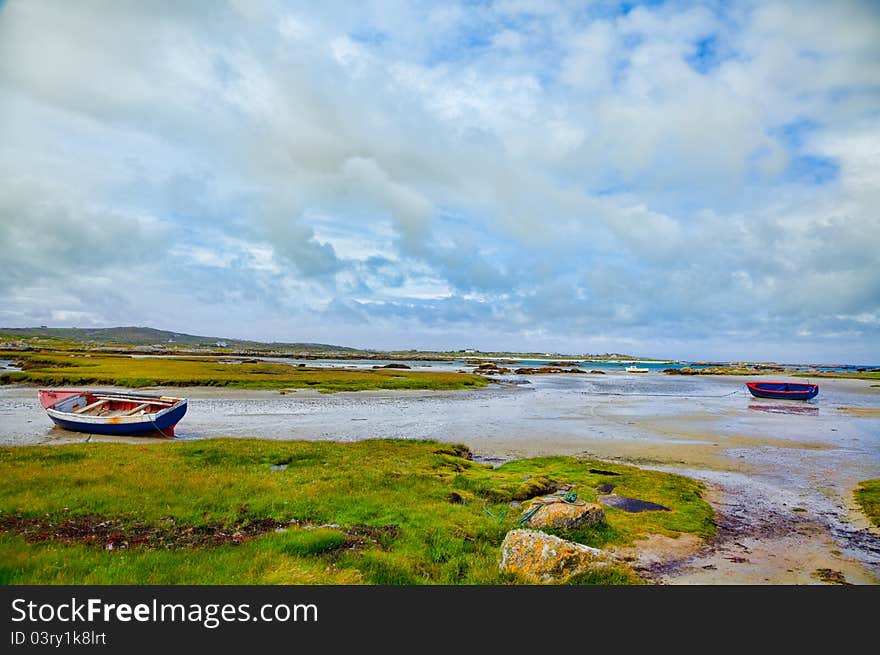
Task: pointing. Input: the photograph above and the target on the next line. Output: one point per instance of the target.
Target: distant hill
(143, 336)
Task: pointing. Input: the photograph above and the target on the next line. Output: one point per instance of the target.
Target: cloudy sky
(694, 180)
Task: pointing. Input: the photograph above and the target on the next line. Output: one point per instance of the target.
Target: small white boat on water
(636, 369)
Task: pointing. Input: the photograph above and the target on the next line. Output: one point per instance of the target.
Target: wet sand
(780, 473)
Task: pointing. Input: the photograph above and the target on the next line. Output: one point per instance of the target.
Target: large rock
(543, 558)
(554, 513)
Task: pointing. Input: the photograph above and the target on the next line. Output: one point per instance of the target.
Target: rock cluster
(541, 370)
(16, 345)
(491, 368)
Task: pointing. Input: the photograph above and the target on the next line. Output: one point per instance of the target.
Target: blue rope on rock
(570, 498)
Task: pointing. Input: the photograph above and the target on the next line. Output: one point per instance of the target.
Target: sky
(696, 180)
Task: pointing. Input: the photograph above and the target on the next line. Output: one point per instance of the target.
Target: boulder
(392, 365)
(543, 558)
(556, 513)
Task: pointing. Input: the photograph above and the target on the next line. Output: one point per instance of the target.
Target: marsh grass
(374, 512)
(868, 496)
(68, 368)
(729, 370)
(854, 375)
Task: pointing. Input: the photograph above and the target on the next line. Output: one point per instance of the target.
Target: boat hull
(163, 423)
(783, 390)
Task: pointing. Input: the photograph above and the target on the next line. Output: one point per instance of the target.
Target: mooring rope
(660, 395)
(498, 518)
(158, 429)
(571, 498)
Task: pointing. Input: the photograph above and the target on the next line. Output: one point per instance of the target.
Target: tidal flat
(780, 475)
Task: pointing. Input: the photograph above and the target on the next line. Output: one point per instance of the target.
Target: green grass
(371, 512)
(868, 497)
(716, 370)
(855, 375)
(734, 370)
(65, 369)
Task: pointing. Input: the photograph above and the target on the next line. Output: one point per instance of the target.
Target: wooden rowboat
(783, 390)
(111, 412)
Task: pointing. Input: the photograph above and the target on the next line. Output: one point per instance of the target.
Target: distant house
(220, 344)
(469, 351)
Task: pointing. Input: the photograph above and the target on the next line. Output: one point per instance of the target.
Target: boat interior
(101, 405)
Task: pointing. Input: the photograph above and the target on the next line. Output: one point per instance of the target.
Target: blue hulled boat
(783, 390)
(108, 412)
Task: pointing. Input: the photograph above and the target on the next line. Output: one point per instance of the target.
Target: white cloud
(517, 170)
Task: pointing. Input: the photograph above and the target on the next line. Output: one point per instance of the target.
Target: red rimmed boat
(783, 390)
(111, 412)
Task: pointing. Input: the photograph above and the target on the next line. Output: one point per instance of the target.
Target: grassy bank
(714, 370)
(267, 512)
(855, 375)
(868, 498)
(740, 370)
(65, 368)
